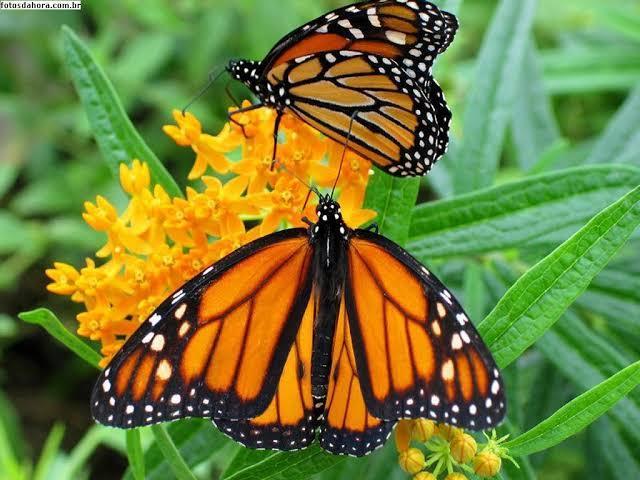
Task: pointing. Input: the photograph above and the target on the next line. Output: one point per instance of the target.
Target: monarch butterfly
(370, 62)
(323, 331)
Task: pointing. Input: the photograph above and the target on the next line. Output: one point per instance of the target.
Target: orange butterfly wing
(400, 125)
(348, 426)
(289, 422)
(416, 31)
(416, 352)
(217, 347)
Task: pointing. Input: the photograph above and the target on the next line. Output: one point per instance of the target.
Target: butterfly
(363, 69)
(325, 331)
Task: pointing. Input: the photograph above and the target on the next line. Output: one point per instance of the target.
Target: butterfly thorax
(249, 72)
(330, 234)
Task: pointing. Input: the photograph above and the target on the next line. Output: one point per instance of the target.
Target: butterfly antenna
(344, 152)
(214, 75)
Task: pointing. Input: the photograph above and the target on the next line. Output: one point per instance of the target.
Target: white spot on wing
(180, 311)
(396, 37)
(158, 343)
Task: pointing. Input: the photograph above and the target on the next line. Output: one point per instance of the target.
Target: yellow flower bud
(448, 432)
(423, 429)
(136, 179)
(411, 460)
(425, 476)
(487, 464)
(403, 435)
(455, 476)
(463, 448)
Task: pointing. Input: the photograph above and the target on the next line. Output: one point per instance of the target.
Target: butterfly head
(245, 71)
(329, 218)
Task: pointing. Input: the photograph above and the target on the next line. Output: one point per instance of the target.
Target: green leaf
(8, 174)
(577, 414)
(118, 139)
(475, 291)
(394, 199)
(134, 453)
(533, 124)
(620, 143)
(47, 320)
(176, 463)
(593, 69)
(83, 450)
(11, 443)
(270, 465)
(493, 92)
(543, 293)
(508, 215)
(196, 440)
(587, 359)
(616, 454)
(49, 451)
(615, 295)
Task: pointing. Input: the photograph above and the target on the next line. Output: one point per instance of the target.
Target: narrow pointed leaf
(533, 124)
(394, 199)
(490, 101)
(587, 359)
(542, 294)
(577, 414)
(195, 439)
(271, 465)
(171, 454)
(620, 143)
(47, 320)
(511, 214)
(135, 454)
(117, 138)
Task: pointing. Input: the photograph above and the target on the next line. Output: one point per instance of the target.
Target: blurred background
(158, 54)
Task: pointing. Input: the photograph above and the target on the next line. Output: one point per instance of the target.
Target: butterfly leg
(276, 127)
(372, 228)
(230, 115)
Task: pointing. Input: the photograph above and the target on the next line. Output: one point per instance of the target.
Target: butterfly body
(324, 332)
(363, 72)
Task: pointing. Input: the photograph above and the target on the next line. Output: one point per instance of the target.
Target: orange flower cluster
(160, 242)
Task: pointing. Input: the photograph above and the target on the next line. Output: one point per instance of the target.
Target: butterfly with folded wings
(363, 73)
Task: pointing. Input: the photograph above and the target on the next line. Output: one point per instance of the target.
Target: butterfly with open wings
(363, 71)
(323, 331)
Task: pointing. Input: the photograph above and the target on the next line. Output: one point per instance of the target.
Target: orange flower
(158, 242)
(209, 150)
(288, 199)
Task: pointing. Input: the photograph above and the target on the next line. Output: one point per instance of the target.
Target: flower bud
(403, 435)
(487, 464)
(411, 460)
(455, 476)
(425, 476)
(448, 432)
(463, 448)
(423, 429)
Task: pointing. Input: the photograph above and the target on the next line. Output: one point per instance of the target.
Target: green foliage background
(531, 219)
